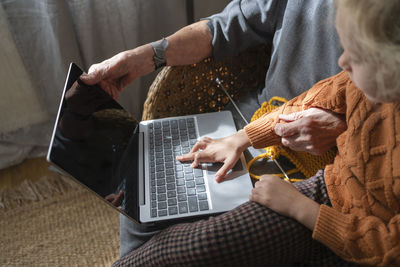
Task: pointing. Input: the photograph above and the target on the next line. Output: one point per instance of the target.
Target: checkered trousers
(249, 235)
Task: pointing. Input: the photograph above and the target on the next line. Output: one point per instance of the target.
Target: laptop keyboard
(176, 188)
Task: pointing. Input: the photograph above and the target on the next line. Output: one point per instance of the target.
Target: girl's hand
(226, 150)
(283, 198)
(276, 194)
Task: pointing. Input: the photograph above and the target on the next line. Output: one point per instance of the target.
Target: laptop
(131, 165)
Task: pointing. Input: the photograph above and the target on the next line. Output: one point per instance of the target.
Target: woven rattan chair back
(192, 89)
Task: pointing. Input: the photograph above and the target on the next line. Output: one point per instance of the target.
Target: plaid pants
(249, 235)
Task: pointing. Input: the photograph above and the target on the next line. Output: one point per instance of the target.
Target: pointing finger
(186, 157)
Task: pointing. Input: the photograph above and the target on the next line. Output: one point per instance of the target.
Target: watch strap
(159, 48)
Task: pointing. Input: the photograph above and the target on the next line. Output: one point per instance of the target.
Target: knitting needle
(240, 113)
(230, 98)
(280, 167)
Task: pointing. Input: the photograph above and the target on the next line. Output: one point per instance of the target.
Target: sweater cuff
(261, 133)
(329, 229)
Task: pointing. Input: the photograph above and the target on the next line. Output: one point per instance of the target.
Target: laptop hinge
(141, 164)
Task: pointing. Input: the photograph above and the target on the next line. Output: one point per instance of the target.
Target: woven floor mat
(69, 228)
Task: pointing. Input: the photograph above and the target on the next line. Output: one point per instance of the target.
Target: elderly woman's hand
(115, 73)
(313, 130)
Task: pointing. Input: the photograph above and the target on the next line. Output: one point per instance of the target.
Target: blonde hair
(376, 25)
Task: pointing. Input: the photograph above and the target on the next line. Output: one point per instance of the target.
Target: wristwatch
(159, 49)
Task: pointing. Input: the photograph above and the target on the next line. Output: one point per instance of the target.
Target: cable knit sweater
(363, 224)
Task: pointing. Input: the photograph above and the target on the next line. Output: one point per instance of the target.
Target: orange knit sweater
(363, 224)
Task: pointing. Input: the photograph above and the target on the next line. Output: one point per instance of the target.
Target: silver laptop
(132, 165)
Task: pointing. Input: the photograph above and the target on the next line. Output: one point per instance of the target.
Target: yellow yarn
(305, 163)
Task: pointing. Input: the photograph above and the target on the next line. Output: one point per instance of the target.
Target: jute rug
(54, 222)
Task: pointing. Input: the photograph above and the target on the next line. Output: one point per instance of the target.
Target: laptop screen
(95, 142)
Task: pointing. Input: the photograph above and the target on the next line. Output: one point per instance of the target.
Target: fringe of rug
(29, 191)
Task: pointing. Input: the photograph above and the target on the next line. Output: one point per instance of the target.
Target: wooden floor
(32, 169)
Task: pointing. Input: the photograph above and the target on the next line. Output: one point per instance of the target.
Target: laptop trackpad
(232, 192)
(212, 168)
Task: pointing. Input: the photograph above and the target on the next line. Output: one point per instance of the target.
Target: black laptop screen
(95, 142)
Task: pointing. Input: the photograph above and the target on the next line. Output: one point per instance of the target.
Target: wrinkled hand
(115, 73)
(314, 130)
(226, 150)
(276, 194)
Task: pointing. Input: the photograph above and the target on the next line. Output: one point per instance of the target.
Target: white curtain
(38, 40)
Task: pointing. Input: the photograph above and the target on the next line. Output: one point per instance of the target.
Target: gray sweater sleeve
(244, 23)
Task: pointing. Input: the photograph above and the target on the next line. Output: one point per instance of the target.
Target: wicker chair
(192, 89)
